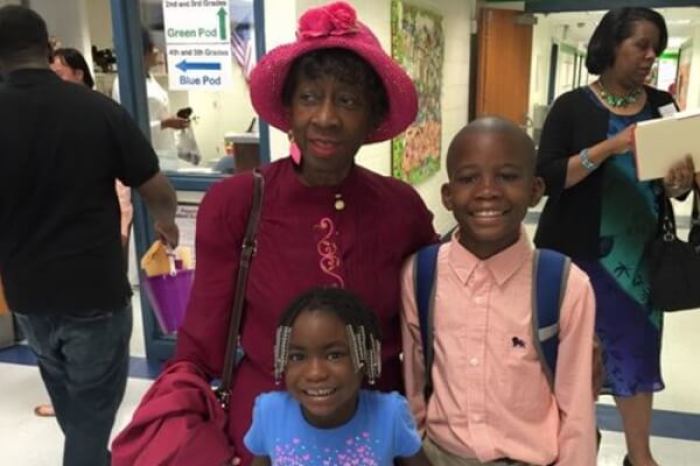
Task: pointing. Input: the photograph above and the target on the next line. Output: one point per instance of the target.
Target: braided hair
(361, 325)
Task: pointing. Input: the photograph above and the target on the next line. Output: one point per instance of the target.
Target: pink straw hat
(333, 26)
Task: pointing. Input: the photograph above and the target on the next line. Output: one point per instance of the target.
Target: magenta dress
(303, 241)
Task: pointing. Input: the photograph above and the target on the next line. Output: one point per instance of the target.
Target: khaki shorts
(440, 457)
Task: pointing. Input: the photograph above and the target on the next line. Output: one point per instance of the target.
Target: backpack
(550, 272)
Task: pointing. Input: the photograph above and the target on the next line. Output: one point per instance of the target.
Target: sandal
(45, 410)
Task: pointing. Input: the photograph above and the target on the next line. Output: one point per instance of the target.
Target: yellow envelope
(156, 260)
(185, 255)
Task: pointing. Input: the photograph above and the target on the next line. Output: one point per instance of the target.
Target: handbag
(223, 391)
(674, 265)
(167, 281)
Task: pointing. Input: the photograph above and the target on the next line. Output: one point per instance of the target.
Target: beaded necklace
(617, 102)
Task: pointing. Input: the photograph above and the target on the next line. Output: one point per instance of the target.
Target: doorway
(503, 73)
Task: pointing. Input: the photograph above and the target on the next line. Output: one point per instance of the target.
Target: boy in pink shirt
(491, 401)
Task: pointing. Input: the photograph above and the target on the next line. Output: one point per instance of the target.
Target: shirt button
(474, 361)
(479, 300)
(476, 417)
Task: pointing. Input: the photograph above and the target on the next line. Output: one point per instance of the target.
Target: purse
(674, 265)
(167, 281)
(223, 391)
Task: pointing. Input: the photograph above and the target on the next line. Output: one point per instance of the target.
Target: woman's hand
(622, 142)
(168, 233)
(679, 179)
(619, 144)
(174, 123)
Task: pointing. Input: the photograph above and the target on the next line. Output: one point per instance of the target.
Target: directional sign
(186, 66)
(198, 43)
(206, 67)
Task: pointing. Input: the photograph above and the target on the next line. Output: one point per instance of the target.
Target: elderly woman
(325, 220)
(602, 216)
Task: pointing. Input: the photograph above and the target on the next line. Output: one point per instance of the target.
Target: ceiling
(580, 25)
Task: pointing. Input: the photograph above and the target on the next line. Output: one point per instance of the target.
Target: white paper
(663, 142)
(668, 110)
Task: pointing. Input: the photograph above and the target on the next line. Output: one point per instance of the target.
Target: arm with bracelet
(583, 163)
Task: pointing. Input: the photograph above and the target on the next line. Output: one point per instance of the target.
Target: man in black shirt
(61, 261)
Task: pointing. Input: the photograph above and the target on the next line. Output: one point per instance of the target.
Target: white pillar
(280, 26)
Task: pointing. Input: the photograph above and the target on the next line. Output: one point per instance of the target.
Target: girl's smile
(319, 372)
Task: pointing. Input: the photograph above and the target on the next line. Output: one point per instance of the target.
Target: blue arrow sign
(185, 66)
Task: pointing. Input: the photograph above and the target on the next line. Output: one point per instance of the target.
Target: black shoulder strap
(248, 250)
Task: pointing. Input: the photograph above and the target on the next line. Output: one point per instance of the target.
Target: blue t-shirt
(381, 430)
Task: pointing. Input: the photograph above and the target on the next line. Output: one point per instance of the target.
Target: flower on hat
(335, 19)
(343, 17)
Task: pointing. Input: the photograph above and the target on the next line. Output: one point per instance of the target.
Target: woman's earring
(294, 150)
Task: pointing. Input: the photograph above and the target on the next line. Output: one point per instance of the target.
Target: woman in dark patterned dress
(602, 216)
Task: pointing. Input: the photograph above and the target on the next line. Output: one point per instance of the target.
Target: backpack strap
(424, 284)
(550, 273)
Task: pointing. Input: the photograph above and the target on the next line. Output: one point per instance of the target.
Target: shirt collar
(502, 266)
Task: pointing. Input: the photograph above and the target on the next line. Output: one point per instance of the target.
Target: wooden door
(503, 75)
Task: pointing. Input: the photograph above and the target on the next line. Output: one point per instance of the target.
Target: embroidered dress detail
(328, 250)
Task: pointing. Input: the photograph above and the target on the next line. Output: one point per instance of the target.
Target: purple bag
(169, 295)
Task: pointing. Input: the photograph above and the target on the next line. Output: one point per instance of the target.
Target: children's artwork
(418, 44)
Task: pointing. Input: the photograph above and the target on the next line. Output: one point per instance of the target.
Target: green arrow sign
(222, 23)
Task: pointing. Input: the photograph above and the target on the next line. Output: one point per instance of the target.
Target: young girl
(326, 342)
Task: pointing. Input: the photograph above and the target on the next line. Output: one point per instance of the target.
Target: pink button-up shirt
(491, 398)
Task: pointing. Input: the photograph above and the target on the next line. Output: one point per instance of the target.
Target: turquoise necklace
(619, 102)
